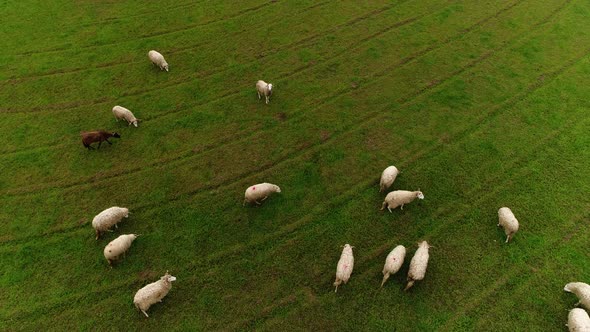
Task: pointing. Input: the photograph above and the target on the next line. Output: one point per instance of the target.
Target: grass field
(480, 104)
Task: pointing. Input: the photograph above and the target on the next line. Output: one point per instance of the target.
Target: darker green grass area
(480, 105)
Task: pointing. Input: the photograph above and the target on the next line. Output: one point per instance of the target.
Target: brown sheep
(89, 137)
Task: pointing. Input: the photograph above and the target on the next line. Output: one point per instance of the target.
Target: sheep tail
(385, 277)
(410, 284)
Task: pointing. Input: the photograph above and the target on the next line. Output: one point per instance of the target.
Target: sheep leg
(389, 208)
(145, 313)
(97, 234)
(267, 99)
(402, 207)
(258, 95)
(99, 143)
(106, 140)
(577, 303)
(257, 202)
(265, 197)
(244, 204)
(507, 238)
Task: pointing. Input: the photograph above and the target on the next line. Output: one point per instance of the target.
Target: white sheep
(387, 178)
(581, 290)
(578, 320)
(399, 198)
(508, 221)
(121, 112)
(264, 89)
(418, 264)
(393, 262)
(344, 267)
(158, 59)
(260, 191)
(152, 293)
(108, 218)
(118, 247)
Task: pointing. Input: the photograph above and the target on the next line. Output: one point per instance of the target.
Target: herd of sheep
(578, 319)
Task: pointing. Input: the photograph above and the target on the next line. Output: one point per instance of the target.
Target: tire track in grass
(505, 277)
(406, 60)
(171, 51)
(117, 18)
(154, 34)
(407, 161)
(364, 185)
(239, 91)
(190, 78)
(373, 116)
(367, 270)
(318, 105)
(200, 45)
(368, 184)
(209, 187)
(500, 285)
(294, 154)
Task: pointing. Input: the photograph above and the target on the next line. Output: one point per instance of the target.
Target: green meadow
(480, 104)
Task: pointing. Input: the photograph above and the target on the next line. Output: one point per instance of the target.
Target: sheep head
(419, 194)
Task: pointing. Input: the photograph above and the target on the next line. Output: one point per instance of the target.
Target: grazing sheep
(118, 247)
(89, 137)
(264, 89)
(507, 220)
(260, 191)
(108, 218)
(152, 293)
(582, 291)
(158, 59)
(578, 320)
(393, 262)
(418, 264)
(399, 198)
(125, 114)
(344, 267)
(387, 178)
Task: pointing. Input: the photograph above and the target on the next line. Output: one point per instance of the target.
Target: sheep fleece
(399, 197)
(109, 217)
(345, 266)
(121, 113)
(578, 320)
(581, 290)
(393, 262)
(508, 221)
(118, 246)
(152, 293)
(419, 262)
(258, 191)
(387, 177)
